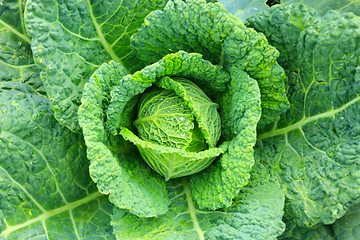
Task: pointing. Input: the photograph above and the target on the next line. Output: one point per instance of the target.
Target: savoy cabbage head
(180, 119)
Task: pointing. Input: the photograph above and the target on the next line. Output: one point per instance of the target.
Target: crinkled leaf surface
(163, 118)
(222, 38)
(240, 111)
(71, 39)
(45, 190)
(245, 8)
(172, 162)
(324, 6)
(282, 26)
(216, 186)
(121, 111)
(115, 165)
(255, 214)
(16, 62)
(314, 149)
(348, 227)
(202, 107)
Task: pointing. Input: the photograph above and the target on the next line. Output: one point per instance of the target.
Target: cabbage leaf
(222, 38)
(348, 227)
(16, 62)
(245, 8)
(45, 189)
(314, 148)
(255, 214)
(317, 232)
(71, 39)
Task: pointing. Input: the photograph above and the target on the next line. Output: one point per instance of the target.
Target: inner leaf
(164, 118)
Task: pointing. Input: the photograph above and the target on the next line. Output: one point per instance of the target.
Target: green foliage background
(50, 50)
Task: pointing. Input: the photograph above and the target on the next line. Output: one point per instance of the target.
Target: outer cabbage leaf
(71, 39)
(16, 62)
(324, 6)
(195, 26)
(314, 148)
(45, 188)
(282, 27)
(240, 111)
(255, 214)
(348, 227)
(114, 164)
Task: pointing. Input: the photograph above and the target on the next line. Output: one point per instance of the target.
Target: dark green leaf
(314, 148)
(45, 188)
(324, 6)
(16, 61)
(115, 165)
(71, 39)
(348, 227)
(255, 214)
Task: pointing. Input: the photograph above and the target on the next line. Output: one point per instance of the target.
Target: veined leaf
(314, 149)
(255, 214)
(317, 232)
(45, 188)
(115, 165)
(348, 227)
(71, 39)
(16, 61)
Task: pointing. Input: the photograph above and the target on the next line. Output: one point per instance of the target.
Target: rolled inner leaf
(177, 118)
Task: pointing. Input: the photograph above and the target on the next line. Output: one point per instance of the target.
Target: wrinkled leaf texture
(71, 39)
(16, 62)
(255, 214)
(314, 148)
(45, 189)
(222, 38)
